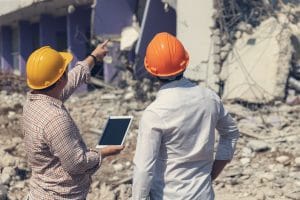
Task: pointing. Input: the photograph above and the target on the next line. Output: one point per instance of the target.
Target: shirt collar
(32, 97)
(183, 82)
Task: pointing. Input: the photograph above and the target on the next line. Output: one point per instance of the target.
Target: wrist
(94, 58)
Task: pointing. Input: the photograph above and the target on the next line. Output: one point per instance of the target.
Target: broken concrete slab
(192, 22)
(257, 69)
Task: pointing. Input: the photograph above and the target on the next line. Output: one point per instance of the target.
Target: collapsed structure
(263, 63)
(244, 50)
(249, 52)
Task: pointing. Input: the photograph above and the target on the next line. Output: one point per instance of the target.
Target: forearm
(90, 62)
(218, 167)
(97, 166)
(78, 75)
(81, 163)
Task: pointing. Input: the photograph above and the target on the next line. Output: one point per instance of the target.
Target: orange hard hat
(45, 66)
(165, 56)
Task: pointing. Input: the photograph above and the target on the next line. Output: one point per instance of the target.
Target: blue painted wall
(155, 20)
(6, 57)
(78, 32)
(49, 26)
(111, 16)
(26, 44)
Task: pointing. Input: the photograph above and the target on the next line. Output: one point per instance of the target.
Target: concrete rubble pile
(266, 166)
(256, 50)
(90, 110)
(12, 83)
(257, 61)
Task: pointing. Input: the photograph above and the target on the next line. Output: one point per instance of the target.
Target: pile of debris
(90, 111)
(267, 160)
(257, 60)
(256, 50)
(269, 134)
(13, 165)
(12, 83)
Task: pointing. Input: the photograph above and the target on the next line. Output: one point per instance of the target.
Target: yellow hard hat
(45, 66)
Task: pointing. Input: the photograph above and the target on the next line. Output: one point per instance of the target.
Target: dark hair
(170, 80)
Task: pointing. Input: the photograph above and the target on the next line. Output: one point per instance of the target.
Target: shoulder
(42, 113)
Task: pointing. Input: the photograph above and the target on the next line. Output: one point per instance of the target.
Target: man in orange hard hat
(175, 146)
(61, 163)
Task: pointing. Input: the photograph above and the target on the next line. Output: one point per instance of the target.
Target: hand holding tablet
(110, 150)
(115, 131)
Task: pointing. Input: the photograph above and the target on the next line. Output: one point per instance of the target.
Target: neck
(51, 93)
(165, 81)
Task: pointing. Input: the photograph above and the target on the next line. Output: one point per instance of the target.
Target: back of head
(165, 56)
(45, 66)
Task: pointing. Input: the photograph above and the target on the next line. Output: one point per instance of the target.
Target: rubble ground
(266, 163)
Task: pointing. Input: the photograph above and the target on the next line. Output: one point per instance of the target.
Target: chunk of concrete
(257, 69)
(194, 22)
(258, 145)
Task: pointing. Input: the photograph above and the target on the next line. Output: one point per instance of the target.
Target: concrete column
(194, 22)
(155, 19)
(49, 27)
(6, 45)
(111, 72)
(47, 30)
(78, 31)
(26, 44)
(35, 35)
(110, 17)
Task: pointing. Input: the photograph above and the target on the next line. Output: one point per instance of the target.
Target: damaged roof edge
(26, 10)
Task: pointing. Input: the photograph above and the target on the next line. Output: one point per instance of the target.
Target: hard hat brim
(68, 57)
(168, 75)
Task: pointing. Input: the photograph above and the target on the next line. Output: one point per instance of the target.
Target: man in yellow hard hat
(174, 156)
(61, 163)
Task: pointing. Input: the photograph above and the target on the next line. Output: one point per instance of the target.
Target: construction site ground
(266, 163)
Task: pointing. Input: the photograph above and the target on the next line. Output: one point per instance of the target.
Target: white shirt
(175, 145)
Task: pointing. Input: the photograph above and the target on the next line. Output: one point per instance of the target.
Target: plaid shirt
(61, 163)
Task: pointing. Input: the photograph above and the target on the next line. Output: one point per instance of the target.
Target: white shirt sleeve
(147, 150)
(229, 135)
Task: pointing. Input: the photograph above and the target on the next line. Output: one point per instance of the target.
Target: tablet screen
(115, 131)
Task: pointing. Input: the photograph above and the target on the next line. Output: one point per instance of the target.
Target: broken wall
(259, 50)
(194, 22)
(257, 68)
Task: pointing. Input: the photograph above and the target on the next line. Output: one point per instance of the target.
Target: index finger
(104, 43)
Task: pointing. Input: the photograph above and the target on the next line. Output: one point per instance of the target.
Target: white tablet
(115, 131)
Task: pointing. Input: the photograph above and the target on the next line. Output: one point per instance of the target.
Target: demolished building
(244, 50)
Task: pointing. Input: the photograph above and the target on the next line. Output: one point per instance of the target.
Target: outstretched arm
(81, 72)
(99, 52)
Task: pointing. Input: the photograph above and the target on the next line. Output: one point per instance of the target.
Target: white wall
(8, 6)
(194, 19)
